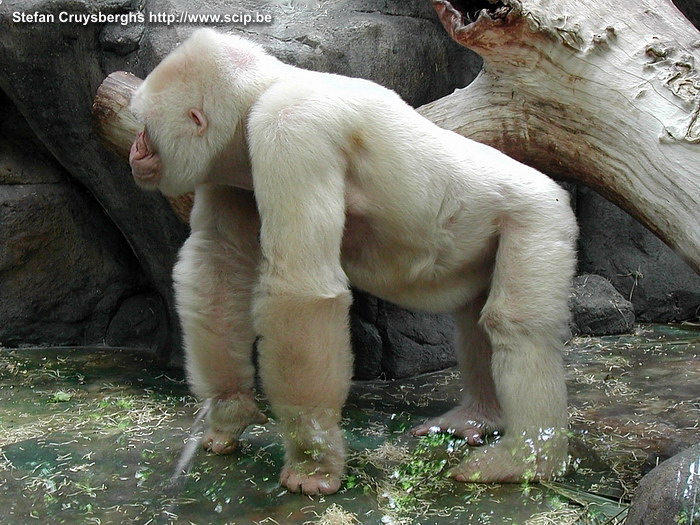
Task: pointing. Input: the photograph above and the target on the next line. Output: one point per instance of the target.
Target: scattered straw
(336, 515)
(565, 515)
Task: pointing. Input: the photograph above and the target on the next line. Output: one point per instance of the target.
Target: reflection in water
(102, 436)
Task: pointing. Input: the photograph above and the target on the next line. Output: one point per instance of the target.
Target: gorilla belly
(416, 275)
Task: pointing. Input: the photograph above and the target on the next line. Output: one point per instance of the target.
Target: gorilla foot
(311, 484)
(506, 462)
(218, 442)
(228, 418)
(461, 421)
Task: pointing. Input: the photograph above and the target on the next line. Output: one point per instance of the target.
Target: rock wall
(660, 285)
(65, 270)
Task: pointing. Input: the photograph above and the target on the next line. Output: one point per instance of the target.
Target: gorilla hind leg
(523, 317)
(479, 413)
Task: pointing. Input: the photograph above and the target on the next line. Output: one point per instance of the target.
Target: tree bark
(603, 92)
(115, 124)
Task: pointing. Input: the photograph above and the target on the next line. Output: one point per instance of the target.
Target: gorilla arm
(302, 308)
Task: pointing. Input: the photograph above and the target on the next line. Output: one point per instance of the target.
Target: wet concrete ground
(102, 436)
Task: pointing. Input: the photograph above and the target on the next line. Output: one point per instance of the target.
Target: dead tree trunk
(599, 91)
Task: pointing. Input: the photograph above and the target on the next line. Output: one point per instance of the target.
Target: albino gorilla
(351, 185)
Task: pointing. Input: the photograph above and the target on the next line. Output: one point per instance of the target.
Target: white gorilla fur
(351, 185)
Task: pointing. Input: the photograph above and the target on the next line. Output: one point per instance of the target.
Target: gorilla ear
(199, 119)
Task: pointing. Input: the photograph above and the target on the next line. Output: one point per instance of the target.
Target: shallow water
(105, 436)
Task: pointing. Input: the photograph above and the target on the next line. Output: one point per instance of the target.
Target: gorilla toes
(309, 484)
(472, 431)
(219, 442)
(462, 422)
(492, 464)
(506, 463)
(228, 419)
